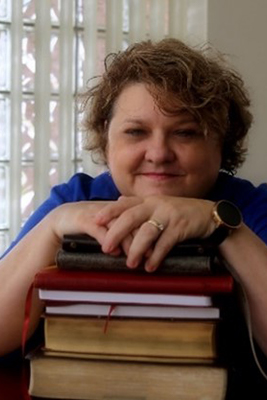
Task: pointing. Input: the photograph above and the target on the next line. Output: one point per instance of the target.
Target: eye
(186, 132)
(135, 132)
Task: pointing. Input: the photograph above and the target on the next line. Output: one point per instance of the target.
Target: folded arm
(35, 251)
(183, 219)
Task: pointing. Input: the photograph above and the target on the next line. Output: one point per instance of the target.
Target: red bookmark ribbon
(26, 321)
(111, 309)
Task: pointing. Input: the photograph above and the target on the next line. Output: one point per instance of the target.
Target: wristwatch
(227, 218)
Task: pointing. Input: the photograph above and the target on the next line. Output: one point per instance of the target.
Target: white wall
(239, 28)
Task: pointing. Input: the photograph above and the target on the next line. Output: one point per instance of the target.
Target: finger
(115, 209)
(126, 244)
(142, 244)
(124, 225)
(161, 248)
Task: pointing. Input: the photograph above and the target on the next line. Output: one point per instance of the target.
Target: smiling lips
(161, 176)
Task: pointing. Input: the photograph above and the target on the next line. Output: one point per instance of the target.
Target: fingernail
(150, 268)
(107, 248)
(131, 264)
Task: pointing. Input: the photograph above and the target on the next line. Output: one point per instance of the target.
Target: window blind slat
(90, 66)
(197, 21)
(177, 19)
(114, 25)
(137, 16)
(188, 20)
(15, 119)
(90, 38)
(66, 41)
(42, 98)
(157, 19)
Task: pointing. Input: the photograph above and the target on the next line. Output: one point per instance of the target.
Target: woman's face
(150, 153)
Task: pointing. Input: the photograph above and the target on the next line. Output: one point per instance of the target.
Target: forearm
(247, 255)
(35, 251)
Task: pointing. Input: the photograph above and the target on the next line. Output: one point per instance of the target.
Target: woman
(170, 123)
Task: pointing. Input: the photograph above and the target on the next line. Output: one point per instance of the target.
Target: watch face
(229, 214)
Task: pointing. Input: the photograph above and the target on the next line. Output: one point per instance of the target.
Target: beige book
(77, 378)
(132, 337)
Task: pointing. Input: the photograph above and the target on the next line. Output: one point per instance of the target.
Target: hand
(79, 217)
(107, 217)
(182, 218)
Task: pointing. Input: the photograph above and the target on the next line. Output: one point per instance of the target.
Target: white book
(125, 298)
(136, 311)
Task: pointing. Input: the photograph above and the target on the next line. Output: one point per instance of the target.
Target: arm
(17, 269)
(184, 218)
(247, 255)
(37, 250)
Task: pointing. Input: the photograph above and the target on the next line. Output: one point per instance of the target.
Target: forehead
(140, 99)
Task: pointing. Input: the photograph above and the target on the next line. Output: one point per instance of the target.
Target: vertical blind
(48, 51)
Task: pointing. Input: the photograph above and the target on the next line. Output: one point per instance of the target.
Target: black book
(83, 252)
(83, 243)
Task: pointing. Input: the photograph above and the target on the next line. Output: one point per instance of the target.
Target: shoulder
(238, 190)
(84, 187)
(80, 187)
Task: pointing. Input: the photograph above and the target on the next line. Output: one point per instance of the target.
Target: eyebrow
(134, 120)
(182, 118)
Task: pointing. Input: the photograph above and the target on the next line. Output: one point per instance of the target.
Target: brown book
(83, 252)
(66, 377)
(169, 339)
(178, 265)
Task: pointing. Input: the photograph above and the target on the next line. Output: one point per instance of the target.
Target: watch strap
(219, 235)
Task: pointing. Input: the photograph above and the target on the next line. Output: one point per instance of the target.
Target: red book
(102, 281)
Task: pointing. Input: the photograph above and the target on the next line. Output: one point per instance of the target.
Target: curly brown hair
(198, 80)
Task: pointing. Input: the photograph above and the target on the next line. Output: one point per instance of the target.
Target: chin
(160, 192)
(170, 191)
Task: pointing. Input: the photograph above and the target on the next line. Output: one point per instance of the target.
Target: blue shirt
(251, 200)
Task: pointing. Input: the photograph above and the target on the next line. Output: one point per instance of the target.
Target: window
(48, 51)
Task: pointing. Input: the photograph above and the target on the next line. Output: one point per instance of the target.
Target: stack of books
(115, 333)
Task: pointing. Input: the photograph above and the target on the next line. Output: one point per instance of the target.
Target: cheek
(118, 159)
(121, 154)
(202, 159)
(112, 151)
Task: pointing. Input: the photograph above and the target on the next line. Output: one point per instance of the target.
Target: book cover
(82, 251)
(77, 378)
(124, 298)
(132, 311)
(83, 243)
(55, 279)
(134, 357)
(132, 337)
(183, 264)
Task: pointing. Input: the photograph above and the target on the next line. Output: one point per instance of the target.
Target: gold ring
(157, 224)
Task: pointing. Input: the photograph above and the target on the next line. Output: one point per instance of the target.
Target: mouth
(161, 176)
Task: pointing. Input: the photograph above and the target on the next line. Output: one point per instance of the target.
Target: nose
(159, 149)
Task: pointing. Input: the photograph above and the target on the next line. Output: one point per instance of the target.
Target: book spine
(83, 243)
(159, 338)
(80, 243)
(132, 283)
(184, 265)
